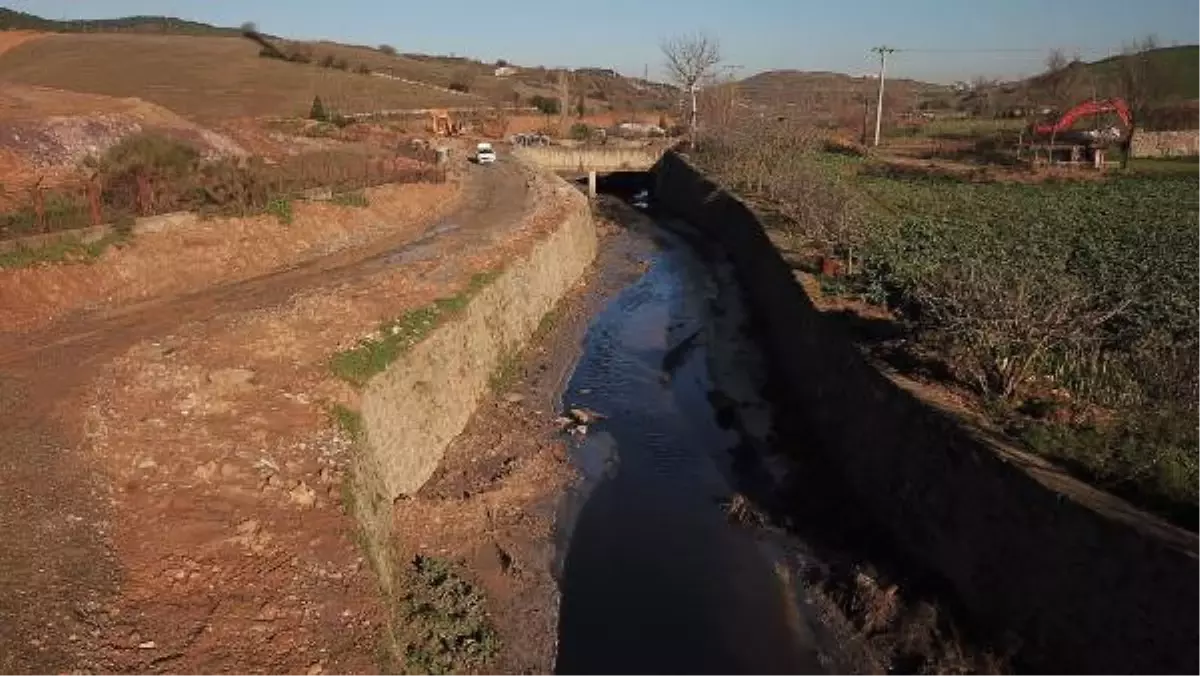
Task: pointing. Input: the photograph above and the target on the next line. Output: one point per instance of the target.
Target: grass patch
(507, 372)
(373, 355)
(70, 249)
(548, 323)
(348, 420)
(356, 198)
(446, 627)
(281, 208)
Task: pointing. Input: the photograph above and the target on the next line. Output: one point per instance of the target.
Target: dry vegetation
(146, 174)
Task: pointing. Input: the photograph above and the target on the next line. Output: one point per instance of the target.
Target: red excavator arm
(1093, 107)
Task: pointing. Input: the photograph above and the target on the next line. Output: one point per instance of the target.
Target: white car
(484, 154)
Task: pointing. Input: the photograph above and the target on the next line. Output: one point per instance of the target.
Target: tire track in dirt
(57, 567)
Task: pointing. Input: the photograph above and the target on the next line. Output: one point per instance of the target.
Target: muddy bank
(1077, 580)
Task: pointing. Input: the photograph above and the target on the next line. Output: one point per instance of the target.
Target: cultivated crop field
(1071, 307)
(1066, 309)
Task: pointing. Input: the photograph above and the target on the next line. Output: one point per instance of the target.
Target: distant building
(505, 71)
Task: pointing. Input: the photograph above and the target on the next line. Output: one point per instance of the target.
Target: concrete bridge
(590, 160)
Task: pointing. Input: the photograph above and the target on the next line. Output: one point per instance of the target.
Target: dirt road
(169, 563)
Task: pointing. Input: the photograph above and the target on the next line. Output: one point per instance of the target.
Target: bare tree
(690, 60)
(1139, 84)
(1063, 78)
(718, 101)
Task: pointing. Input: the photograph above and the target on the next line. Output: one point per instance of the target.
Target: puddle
(422, 248)
(655, 577)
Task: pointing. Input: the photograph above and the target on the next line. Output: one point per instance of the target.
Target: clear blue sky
(757, 34)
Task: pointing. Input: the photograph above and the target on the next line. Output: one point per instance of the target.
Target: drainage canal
(655, 575)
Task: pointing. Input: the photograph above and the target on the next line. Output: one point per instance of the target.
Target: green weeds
(69, 248)
(394, 338)
(445, 625)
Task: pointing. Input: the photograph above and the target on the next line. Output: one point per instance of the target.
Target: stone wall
(415, 408)
(1087, 582)
(1166, 143)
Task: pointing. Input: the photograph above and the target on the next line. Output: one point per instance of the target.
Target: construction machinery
(1060, 129)
(441, 124)
(1057, 142)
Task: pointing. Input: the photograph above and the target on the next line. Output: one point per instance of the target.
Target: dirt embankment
(1081, 580)
(180, 478)
(204, 253)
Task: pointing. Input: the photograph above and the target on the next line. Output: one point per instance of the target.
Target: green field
(1071, 307)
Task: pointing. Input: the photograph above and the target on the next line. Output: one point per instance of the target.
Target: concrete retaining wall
(1088, 583)
(557, 158)
(1166, 143)
(425, 398)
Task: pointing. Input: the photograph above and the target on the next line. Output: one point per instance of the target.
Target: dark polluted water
(656, 578)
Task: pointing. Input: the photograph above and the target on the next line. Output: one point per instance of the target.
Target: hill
(1176, 71)
(825, 94)
(13, 20)
(207, 78)
(603, 90)
(210, 71)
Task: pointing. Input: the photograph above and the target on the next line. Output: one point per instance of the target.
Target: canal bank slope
(1084, 581)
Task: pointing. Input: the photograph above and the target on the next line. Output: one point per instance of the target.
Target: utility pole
(883, 52)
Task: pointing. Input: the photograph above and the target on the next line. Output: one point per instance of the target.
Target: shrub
(501, 63)
(281, 208)
(546, 104)
(363, 69)
(387, 49)
(341, 64)
(459, 87)
(300, 56)
(328, 61)
(580, 131)
(318, 112)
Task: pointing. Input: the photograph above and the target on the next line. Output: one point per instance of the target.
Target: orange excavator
(1061, 128)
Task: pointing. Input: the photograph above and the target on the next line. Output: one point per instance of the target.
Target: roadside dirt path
(138, 537)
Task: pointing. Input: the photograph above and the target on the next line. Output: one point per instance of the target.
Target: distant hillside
(207, 78)
(830, 93)
(210, 71)
(1176, 68)
(13, 20)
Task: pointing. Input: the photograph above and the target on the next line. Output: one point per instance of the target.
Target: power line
(996, 50)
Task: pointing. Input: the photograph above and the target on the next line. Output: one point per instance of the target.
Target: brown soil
(176, 477)
(206, 253)
(10, 39)
(918, 162)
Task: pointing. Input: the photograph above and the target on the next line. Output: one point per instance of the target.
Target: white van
(484, 153)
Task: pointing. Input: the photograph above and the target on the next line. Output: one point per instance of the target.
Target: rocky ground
(176, 475)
